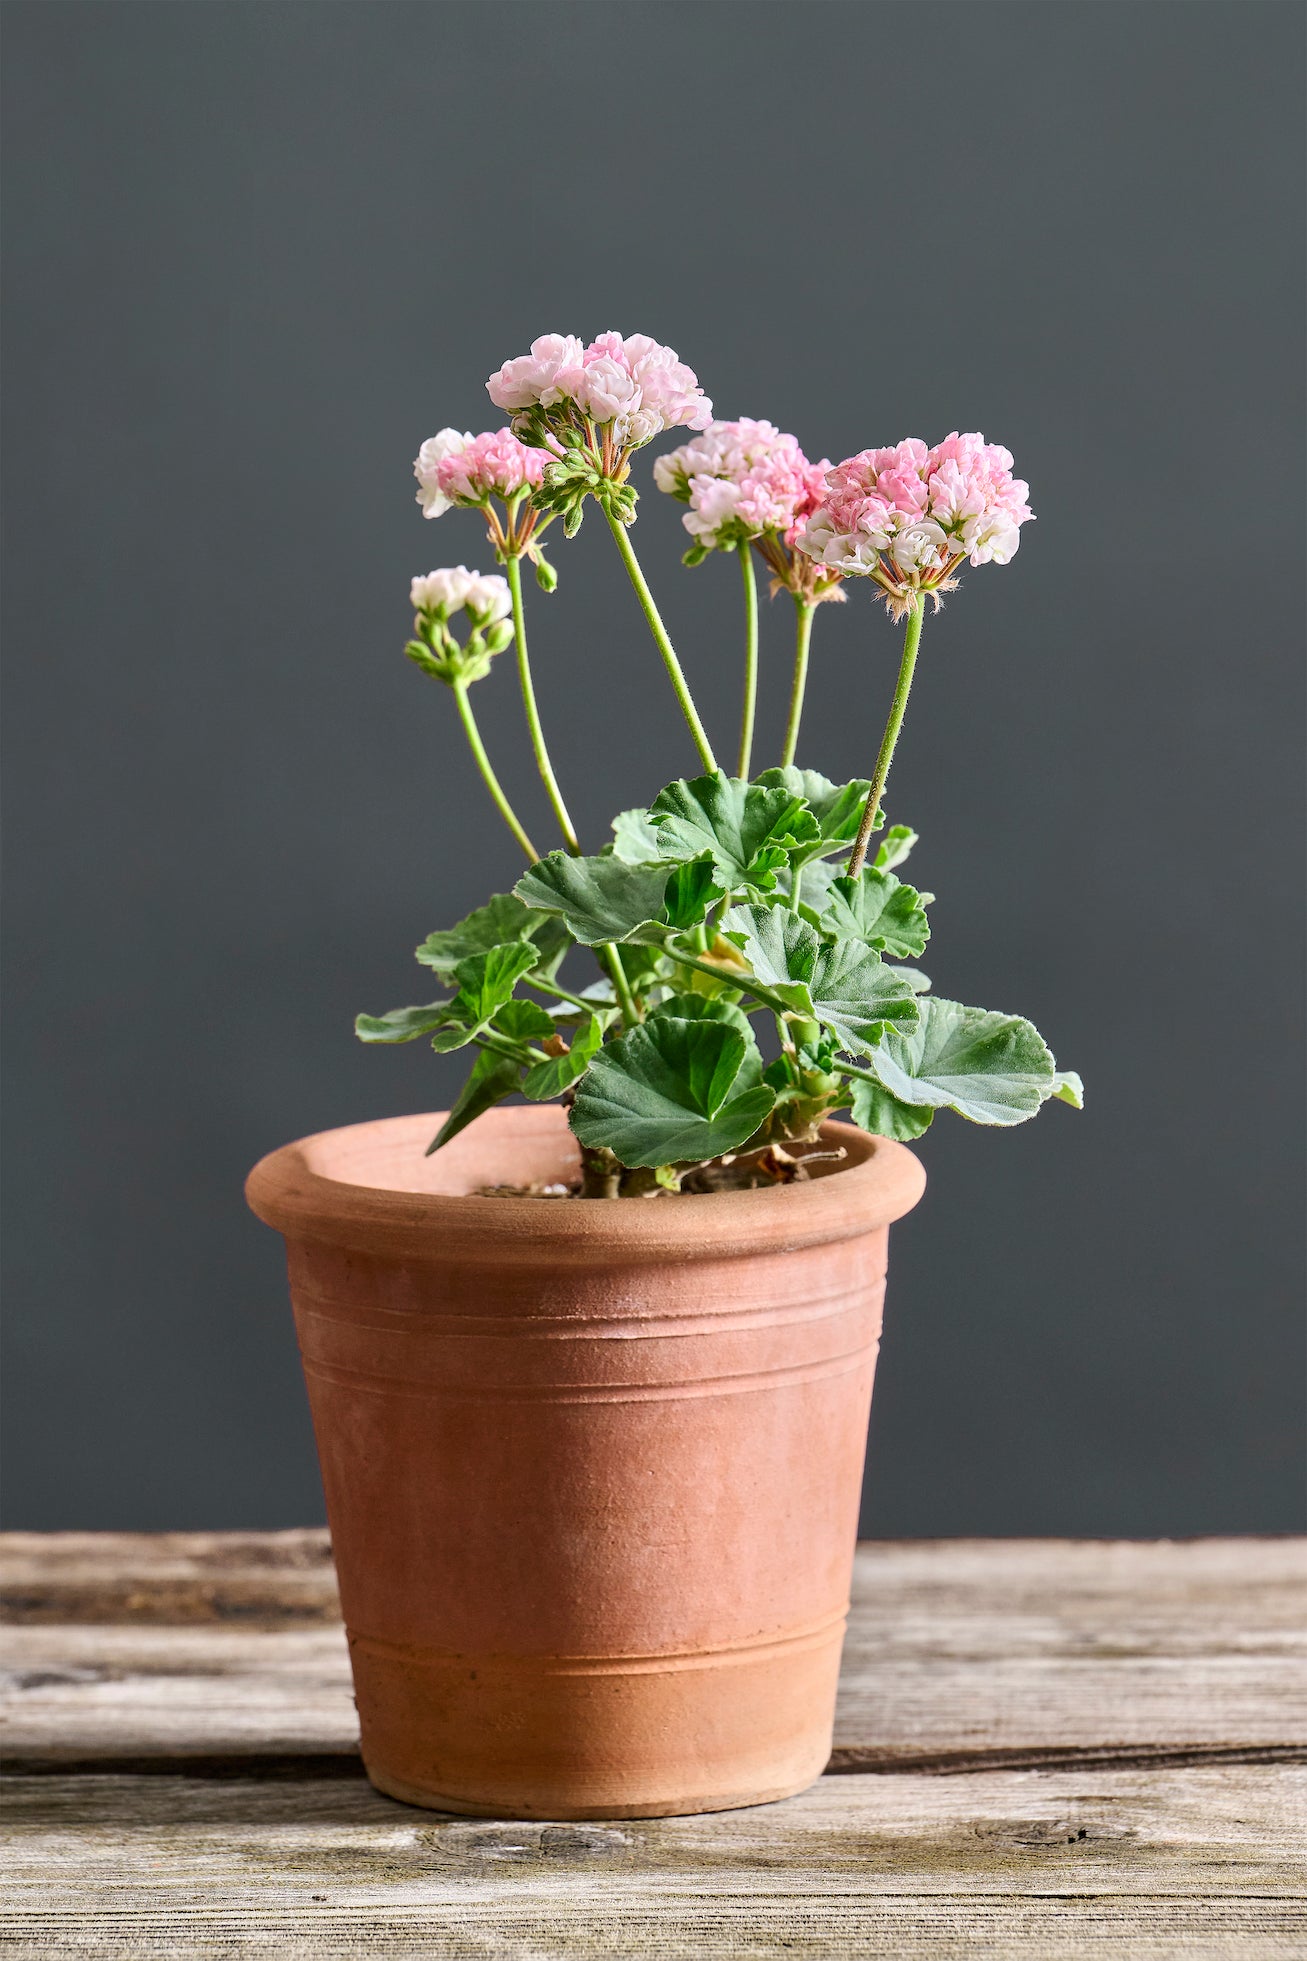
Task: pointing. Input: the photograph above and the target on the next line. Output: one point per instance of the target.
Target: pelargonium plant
(756, 955)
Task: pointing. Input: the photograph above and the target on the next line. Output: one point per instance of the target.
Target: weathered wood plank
(959, 1654)
(903, 1929)
(1194, 1863)
(174, 1579)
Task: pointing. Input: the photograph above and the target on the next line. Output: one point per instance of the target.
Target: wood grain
(1046, 1750)
(1178, 1862)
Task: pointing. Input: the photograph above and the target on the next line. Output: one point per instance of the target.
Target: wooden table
(1042, 1749)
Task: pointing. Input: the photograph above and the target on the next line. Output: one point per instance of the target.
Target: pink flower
(530, 379)
(770, 482)
(494, 464)
(630, 387)
(745, 482)
(908, 516)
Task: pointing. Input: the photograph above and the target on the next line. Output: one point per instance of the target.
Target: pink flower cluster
(924, 509)
(629, 384)
(740, 480)
(466, 469)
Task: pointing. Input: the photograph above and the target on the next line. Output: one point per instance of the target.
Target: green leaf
(600, 899)
(524, 1021)
(689, 892)
(859, 998)
(485, 984)
(780, 947)
(894, 847)
(878, 909)
(836, 807)
(635, 840)
(1068, 1086)
(487, 980)
(672, 1092)
(561, 1071)
(703, 1007)
(500, 920)
(845, 986)
(493, 1077)
(402, 1024)
(914, 978)
(874, 1109)
(747, 830)
(990, 1068)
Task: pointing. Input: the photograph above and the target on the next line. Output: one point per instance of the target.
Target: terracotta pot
(592, 1467)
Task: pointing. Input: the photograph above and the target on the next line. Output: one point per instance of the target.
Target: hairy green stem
(750, 659)
(863, 1075)
(478, 748)
(661, 640)
(803, 635)
(543, 763)
(625, 999)
(733, 978)
(796, 886)
(561, 993)
(898, 708)
(515, 1051)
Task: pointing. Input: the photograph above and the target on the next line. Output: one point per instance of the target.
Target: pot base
(686, 1807)
(587, 1737)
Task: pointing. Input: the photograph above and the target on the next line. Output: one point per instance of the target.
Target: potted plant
(590, 1377)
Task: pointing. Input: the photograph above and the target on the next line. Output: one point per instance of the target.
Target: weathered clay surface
(592, 1470)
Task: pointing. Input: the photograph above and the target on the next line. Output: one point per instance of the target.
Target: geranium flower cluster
(747, 482)
(454, 468)
(629, 386)
(909, 515)
(467, 470)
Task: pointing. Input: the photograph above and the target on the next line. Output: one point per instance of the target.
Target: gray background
(256, 253)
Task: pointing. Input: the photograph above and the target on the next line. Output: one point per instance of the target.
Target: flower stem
(802, 636)
(661, 640)
(478, 749)
(750, 659)
(543, 763)
(625, 999)
(898, 708)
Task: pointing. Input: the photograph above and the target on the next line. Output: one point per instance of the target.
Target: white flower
(993, 535)
(441, 592)
(920, 547)
(449, 442)
(819, 539)
(487, 599)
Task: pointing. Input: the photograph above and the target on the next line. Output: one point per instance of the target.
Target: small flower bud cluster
(468, 470)
(746, 482)
(908, 516)
(486, 601)
(627, 384)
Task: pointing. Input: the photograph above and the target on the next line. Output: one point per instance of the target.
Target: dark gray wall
(256, 253)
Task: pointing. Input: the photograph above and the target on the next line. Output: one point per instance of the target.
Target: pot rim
(288, 1191)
